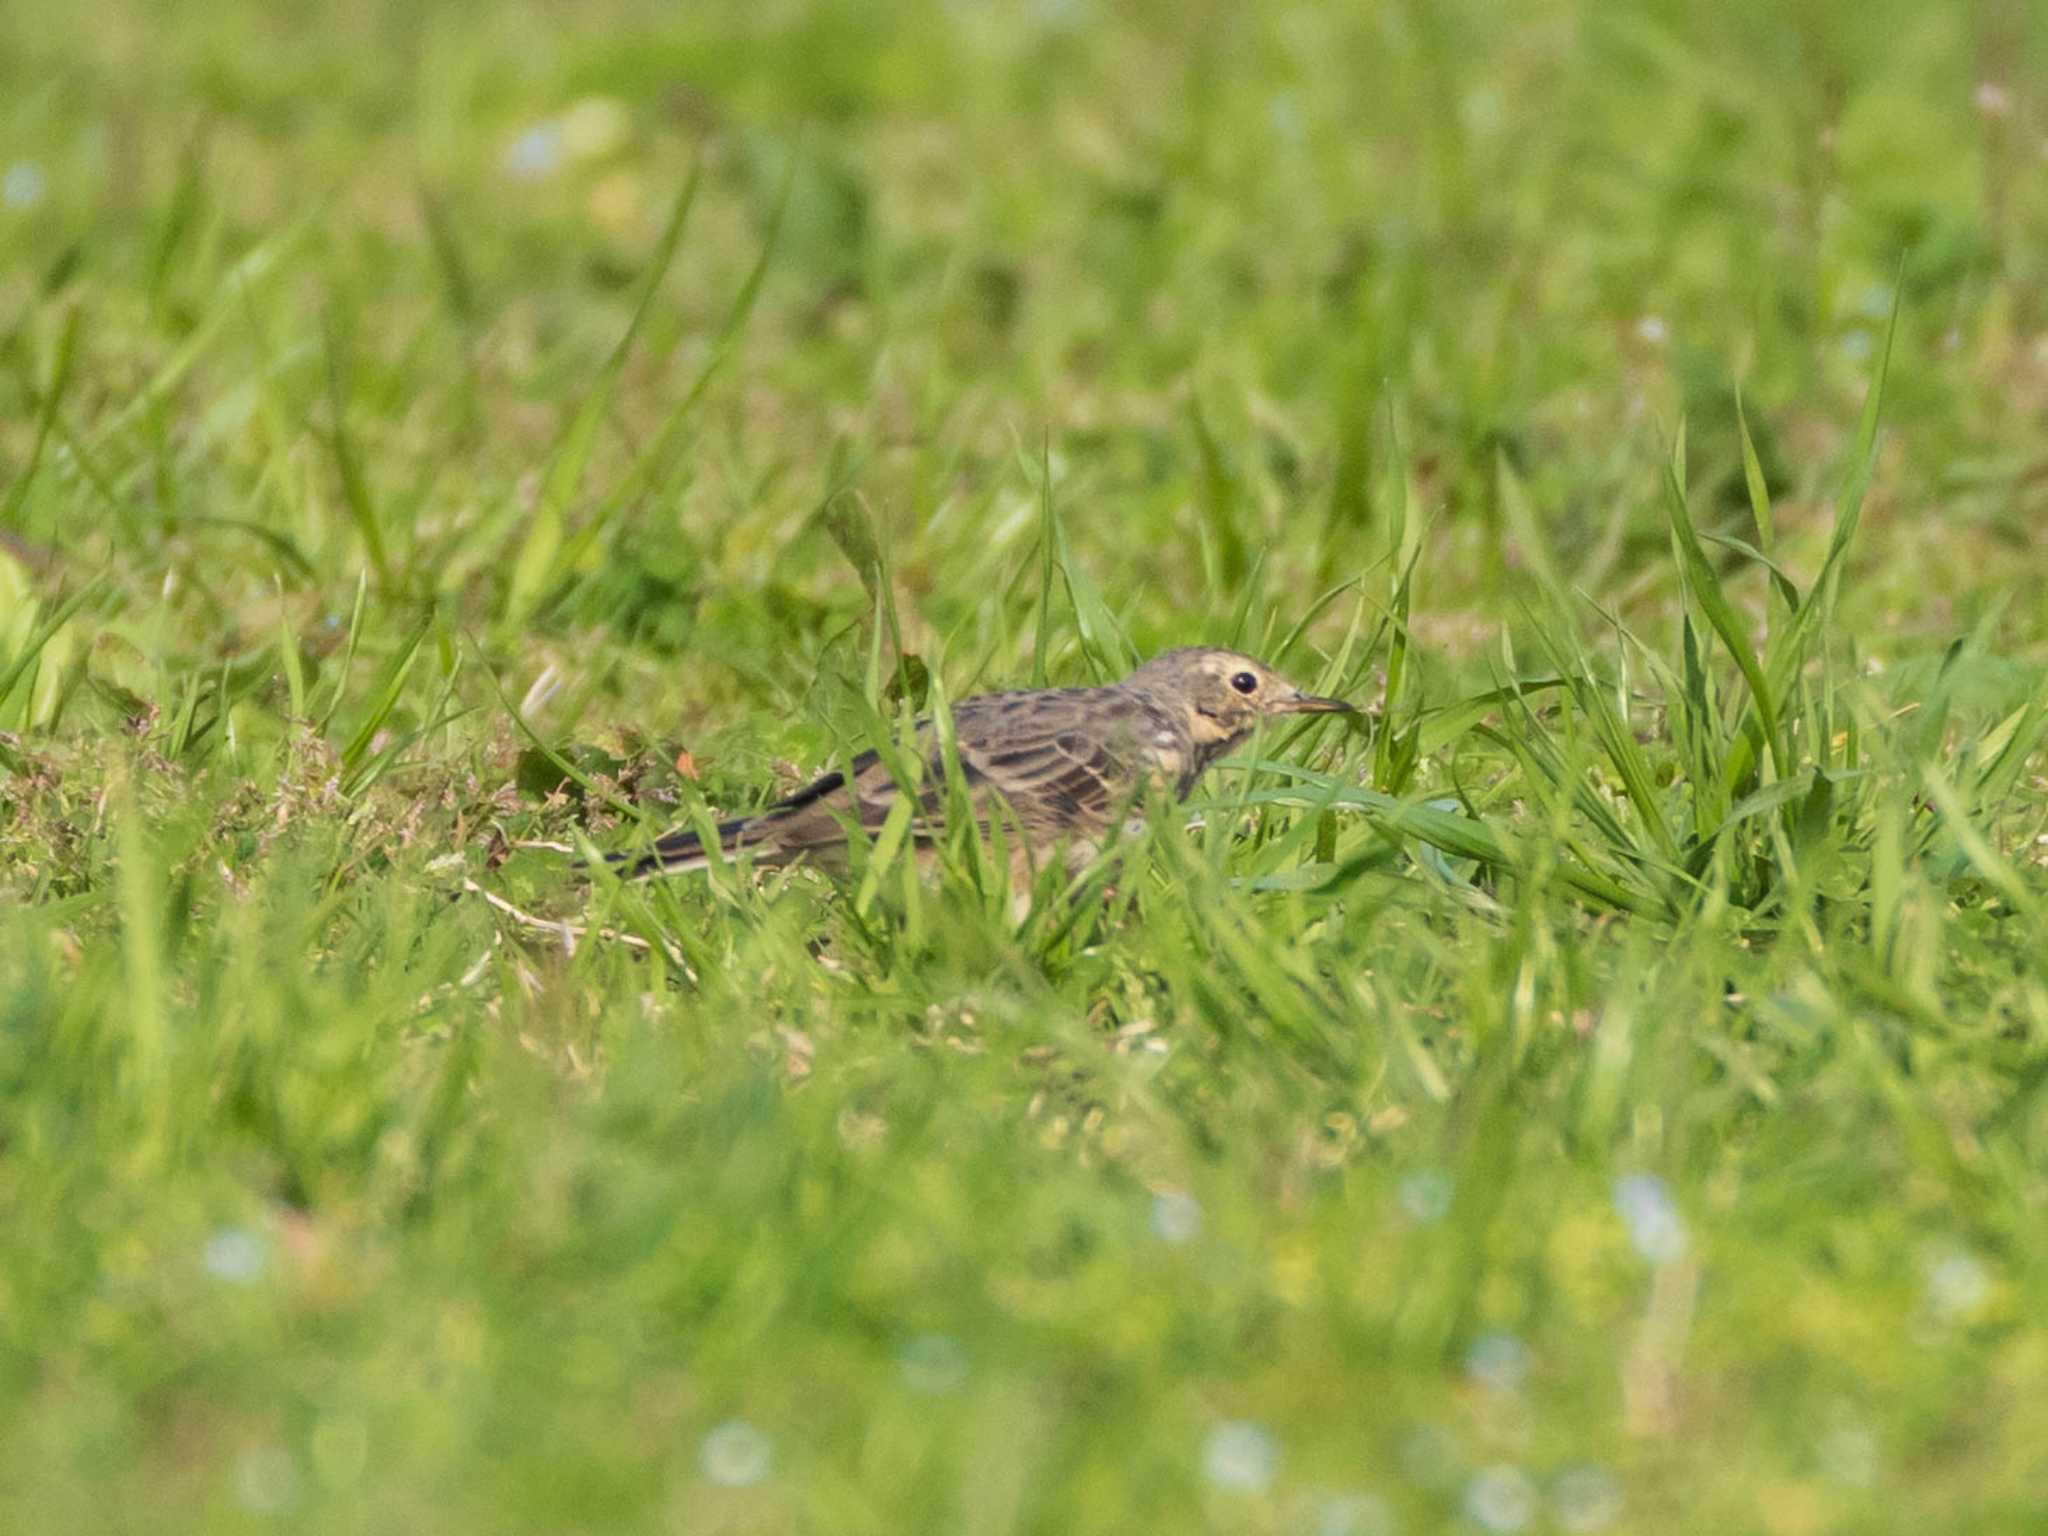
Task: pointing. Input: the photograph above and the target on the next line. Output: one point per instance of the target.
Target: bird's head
(1225, 694)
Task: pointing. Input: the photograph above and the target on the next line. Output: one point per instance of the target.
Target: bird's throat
(1207, 748)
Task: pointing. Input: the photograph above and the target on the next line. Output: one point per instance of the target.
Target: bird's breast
(1176, 762)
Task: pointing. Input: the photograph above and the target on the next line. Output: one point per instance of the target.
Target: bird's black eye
(1244, 682)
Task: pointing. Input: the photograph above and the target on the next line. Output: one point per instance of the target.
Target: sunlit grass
(1601, 1092)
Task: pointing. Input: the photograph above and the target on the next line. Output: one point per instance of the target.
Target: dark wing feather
(1044, 755)
(1060, 765)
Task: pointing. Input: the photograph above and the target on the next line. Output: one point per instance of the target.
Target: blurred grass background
(1607, 1096)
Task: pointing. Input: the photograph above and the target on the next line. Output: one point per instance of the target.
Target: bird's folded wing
(1054, 773)
(1058, 776)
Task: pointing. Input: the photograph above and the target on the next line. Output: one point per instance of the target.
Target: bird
(1063, 768)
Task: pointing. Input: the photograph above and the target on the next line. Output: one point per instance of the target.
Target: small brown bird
(1063, 767)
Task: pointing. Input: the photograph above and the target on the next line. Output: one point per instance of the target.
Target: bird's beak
(1313, 704)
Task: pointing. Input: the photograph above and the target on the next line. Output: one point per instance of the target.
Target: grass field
(1606, 1092)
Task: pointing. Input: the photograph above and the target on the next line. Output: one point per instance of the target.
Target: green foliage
(1606, 1090)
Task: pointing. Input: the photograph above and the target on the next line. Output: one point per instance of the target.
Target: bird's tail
(678, 852)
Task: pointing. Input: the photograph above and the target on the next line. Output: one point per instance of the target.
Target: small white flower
(1426, 1195)
(236, 1255)
(1498, 1362)
(1501, 1498)
(1654, 330)
(1241, 1457)
(1957, 1285)
(536, 153)
(1992, 99)
(1654, 1225)
(735, 1455)
(1176, 1216)
(23, 185)
(266, 1480)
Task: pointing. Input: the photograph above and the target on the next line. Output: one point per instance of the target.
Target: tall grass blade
(652, 463)
(355, 489)
(18, 667)
(534, 568)
(46, 416)
(1048, 562)
(389, 691)
(144, 1073)
(288, 653)
(1221, 500)
(1705, 587)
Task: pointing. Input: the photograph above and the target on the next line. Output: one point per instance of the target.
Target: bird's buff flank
(1062, 767)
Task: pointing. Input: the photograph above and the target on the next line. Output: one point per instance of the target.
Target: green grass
(1610, 1092)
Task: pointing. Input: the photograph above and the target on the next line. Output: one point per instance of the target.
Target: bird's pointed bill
(1315, 704)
